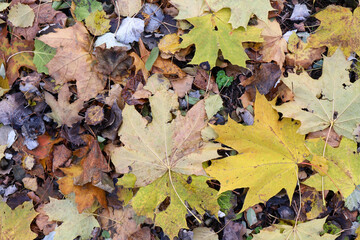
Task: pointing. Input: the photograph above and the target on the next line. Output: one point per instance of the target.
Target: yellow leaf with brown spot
(339, 28)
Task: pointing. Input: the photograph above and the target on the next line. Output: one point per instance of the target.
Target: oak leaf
(332, 32)
(166, 161)
(85, 195)
(343, 167)
(15, 224)
(268, 154)
(64, 112)
(212, 33)
(73, 61)
(241, 11)
(327, 102)
(311, 230)
(74, 223)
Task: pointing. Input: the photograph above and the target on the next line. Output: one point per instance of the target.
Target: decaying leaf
(166, 163)
(305, 231)
(274, 46)
(73, 223)
(268, 154)
(343, 167)
(121, 223)
(332, 32)
(16, 54)
(44, 14)
(85, 195)
(113, 62)
(15, 224)
(73, 60)
(64, 112)
(208, 41)
(300, 55)
(94, 115)
(83, 8)
(327, 102)
(97, 23)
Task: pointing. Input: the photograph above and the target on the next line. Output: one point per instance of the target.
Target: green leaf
(212, 105)
(152, 58)
(21, 15)
(212, 33)
(83, 8)
(225, 201)
(42, 55)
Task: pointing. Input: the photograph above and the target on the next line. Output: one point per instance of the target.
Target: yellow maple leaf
(332, 32)
(97, 23)
(15, 224)
(268, 154)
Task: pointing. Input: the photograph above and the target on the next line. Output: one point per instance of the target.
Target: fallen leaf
(127, 7)
(327, 102)
(94, 115)
(182, 86)
(306, 231)
(139, 65)
(274, 46)
(269, 152)
(61, 155)
(64, 112)
(169, 44)
(300, 54)
(332, 32)
(163, 66)
(44, 14)
(208, 41)
(74, 223)
(83, 8)
(21, 15)
(239, 17)
(73, 61)
(96, 23)
(130, 30)
(205, 82)
(85, 195)
(94, 165)
(264, 78)
(213, 104)
(177, 152)
(42, 55)
(16, 54)
(121, 223)
(333, 138)
(343, 167)
(10, 224)
(113, 62)
(190, 8)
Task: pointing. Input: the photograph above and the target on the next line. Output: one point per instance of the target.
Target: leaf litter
(116, 123)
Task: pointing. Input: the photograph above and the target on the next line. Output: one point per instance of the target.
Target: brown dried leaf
(64, 112)
(73, 60)
(333, 139)
(94, 115)
(85, 195)
(182, 85)
(205, 82)
(61, 155)
(264, 78)
(113, 62)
